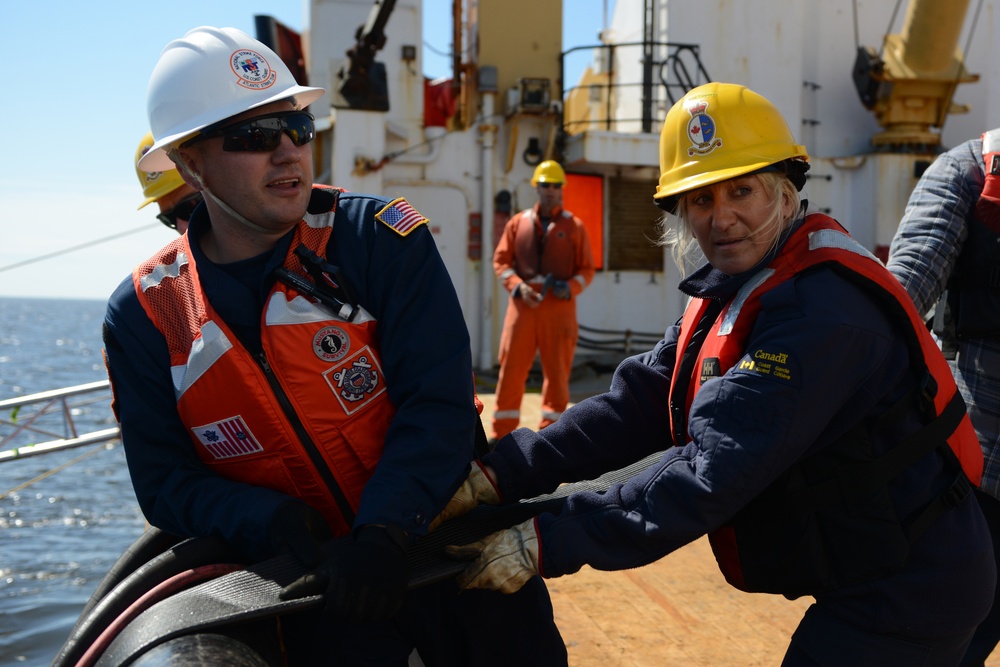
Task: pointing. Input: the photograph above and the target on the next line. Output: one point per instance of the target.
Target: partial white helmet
(209, 75)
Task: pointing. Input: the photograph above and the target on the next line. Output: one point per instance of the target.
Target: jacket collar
(707, 282)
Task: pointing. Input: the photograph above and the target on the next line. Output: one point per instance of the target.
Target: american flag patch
(227, 439)
(400, 216)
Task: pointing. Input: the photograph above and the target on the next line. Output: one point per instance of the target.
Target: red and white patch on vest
(357, 381)
(227, 439)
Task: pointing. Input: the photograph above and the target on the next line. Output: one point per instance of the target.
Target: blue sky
(74, 85)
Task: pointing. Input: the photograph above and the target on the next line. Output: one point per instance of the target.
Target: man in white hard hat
(175, 198)
(274, 377)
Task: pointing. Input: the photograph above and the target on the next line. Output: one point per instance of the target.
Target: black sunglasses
(263, 133)
(550, 185)
(182, 210)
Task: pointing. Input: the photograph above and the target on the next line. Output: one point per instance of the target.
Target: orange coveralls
(528, 252)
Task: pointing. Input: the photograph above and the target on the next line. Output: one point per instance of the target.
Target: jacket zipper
(307, 443)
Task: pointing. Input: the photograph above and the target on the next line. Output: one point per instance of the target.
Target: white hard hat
(209, 75)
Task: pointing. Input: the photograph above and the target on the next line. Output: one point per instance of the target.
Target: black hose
(150, 544)
(252, 593)
(142, 575)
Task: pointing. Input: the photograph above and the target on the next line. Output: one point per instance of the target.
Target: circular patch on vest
(331, 344)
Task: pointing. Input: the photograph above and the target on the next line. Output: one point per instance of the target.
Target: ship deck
(676, 611)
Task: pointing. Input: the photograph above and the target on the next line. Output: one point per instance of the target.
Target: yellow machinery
(910, 85)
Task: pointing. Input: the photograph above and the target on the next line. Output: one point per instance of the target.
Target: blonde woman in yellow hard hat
(811, 427)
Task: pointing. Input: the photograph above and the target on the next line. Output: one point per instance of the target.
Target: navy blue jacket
(404, 284)
(847, 362)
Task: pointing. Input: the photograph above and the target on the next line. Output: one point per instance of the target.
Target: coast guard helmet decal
(701, 129)
(252, 70)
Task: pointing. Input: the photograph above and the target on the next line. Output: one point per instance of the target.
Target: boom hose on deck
(252, 594)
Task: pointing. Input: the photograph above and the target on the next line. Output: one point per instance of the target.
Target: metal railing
(622, 343)
(669, 70)
(52, 421)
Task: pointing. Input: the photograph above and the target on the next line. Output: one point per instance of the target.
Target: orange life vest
(540, 252)
(746, 548)
(307, 416)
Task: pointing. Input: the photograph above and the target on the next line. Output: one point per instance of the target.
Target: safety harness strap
(877, 473)
(679, 392)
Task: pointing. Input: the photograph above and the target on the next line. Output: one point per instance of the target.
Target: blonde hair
(684, 249)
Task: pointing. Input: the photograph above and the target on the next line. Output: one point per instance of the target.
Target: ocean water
(61, 533)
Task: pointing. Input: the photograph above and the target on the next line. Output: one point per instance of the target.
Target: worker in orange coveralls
(543, 259)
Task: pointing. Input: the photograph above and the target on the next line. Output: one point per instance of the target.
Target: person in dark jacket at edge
(275, 382)
(945, 253)
(804, 417)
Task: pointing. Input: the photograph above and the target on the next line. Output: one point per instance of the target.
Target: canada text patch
(767, 363)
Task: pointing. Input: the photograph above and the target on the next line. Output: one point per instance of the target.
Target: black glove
(550, 281)
(299, 529)
(364, 579)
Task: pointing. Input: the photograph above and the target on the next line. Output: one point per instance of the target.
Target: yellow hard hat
(155, 184)
(548, 171)
(719, 131)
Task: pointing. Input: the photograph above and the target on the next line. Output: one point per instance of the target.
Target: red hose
(159, 592)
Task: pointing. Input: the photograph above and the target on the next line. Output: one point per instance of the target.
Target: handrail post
(610, 88)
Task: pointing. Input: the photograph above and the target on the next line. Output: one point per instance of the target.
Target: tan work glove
(529, 295)
(505, 561)
(477, 489)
